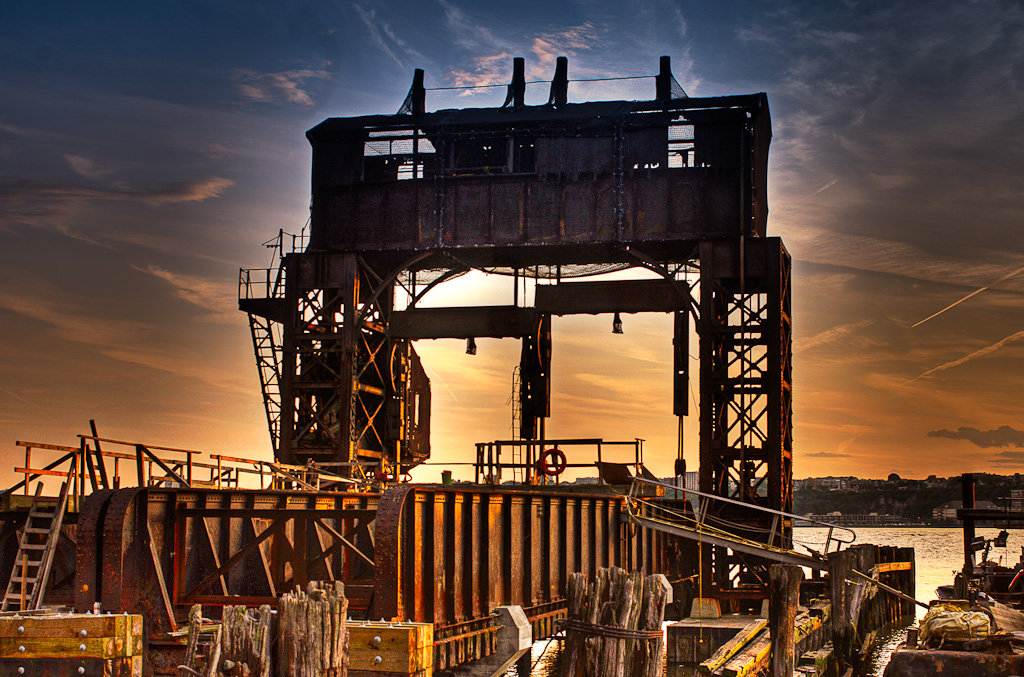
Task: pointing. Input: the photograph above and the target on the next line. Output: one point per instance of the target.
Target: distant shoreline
(899, 526)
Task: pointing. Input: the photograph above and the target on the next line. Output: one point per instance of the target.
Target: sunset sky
(147, 150)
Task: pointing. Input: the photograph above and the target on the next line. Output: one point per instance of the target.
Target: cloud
(549, 46)
(218, 297)
(966, 358)
(1008, 458)
(28, 200)
(831, 335)
(1003, 436)
(826, 454)
(86, 167)
(276, 87)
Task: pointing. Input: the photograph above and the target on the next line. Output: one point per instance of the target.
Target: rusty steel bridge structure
(401, 204)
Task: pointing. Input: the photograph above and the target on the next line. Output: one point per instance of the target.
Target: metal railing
(527, 454)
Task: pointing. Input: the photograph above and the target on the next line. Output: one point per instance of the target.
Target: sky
(148, 150)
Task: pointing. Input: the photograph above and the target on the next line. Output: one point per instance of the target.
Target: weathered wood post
(782, 608)
(840, 570)
(313, 636)
(245, 641)
(614, 624)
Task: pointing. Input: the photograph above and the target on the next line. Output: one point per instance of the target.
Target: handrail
(751, 506)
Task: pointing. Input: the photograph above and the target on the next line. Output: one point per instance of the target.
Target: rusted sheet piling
(614, 624)
(313, 638)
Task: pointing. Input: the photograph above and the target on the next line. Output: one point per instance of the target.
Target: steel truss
(351, 395)
(746, 424)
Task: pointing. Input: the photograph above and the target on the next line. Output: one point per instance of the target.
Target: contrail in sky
(977, 353)
(973, 293)
(825, 187)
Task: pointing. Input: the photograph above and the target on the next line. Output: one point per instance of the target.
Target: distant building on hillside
(947, 511)
(1016, 499)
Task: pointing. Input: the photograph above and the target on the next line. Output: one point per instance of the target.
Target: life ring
(552, 462)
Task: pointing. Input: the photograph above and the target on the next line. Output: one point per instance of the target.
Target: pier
(672, 194)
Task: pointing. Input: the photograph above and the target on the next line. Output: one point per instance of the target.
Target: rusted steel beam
(623, 296)
(274, 529)
(463, 322)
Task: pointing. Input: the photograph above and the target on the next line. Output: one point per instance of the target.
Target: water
(938, 554)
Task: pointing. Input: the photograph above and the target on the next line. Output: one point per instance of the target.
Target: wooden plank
(886, 567)
(733, 646)
(753, 658)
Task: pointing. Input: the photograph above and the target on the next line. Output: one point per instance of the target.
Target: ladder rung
(19, 579)
(36, 530)
(33, 546)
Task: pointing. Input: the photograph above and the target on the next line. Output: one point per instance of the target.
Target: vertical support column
(745, 393)
(346, 392)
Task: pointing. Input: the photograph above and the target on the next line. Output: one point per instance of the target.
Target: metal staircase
(36, 549)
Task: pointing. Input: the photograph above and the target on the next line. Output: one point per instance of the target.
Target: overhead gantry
(401, 203)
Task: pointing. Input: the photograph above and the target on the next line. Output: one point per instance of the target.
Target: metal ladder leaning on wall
(36, 549)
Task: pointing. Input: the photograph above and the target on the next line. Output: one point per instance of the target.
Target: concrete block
(705, 607)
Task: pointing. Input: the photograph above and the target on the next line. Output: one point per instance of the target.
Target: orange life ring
(552, 462)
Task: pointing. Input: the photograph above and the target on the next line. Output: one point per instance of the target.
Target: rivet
(21, 628)
(376, 640)
(81, 647)
(377, 660)
(84, 633)
(81, 671)
(21, 649)
(21, 671)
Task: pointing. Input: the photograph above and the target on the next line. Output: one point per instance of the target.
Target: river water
(938, 554)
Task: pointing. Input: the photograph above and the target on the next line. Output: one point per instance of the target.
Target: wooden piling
(313, 639)
(784, 589)
(840, 570)
(613, 626)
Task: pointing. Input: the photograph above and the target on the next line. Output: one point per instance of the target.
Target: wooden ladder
(36, 548)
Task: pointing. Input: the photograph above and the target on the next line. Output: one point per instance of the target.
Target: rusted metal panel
(624, 296)
(585, 534)
(496, 560)
(556, 555)
(455, 573)
(464, 322)
(538, 551)
(422, 598)
(517, 573)
(89, 545)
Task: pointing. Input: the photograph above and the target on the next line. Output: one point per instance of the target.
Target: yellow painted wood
(53, 636)
(884, 567)
(728, 650)
(404, 648)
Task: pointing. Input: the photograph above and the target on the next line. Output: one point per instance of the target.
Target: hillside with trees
(911, 499)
